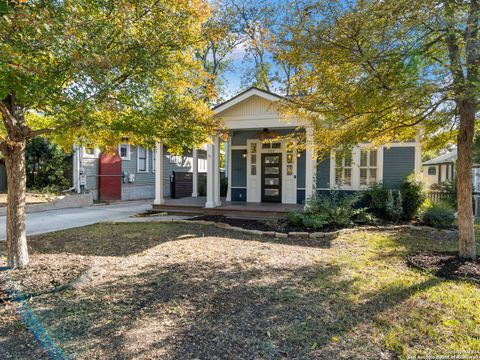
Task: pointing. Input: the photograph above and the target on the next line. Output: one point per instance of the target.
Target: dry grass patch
(187, 291)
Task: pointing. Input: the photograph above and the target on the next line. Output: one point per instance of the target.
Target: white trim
(90, 156)
(253, 181)
(239, 147)
(194, 172)
(239, 187)
(242, 97)
(128, 151)
(243, 123)
(159, 174)
(146, 160)
(310, 164)
(229, 167)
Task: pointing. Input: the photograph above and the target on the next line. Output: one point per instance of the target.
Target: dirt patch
(46, 273)
(446, 265)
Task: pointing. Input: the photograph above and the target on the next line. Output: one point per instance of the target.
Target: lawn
(158, 290)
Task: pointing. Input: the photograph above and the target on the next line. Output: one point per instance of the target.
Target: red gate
(110, 177)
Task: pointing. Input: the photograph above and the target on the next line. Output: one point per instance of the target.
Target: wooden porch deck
(196, 206)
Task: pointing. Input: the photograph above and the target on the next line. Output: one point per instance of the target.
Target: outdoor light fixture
(244, 155)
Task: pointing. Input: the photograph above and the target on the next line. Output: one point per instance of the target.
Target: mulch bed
(446, 265)
(251, 224)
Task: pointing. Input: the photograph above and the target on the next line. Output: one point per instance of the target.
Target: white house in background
(443, 168)
(261, 171)
(439, 169)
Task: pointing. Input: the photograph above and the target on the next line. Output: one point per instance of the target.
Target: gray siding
(91, 170)
(323, 173)
(301, 162)
(239, 169)
(398, 163)
(144, 185)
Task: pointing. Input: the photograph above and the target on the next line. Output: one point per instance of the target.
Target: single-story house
(267, 171)
(440, 169)
(130, 174)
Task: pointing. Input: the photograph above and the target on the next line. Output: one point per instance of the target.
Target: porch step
(225, 211)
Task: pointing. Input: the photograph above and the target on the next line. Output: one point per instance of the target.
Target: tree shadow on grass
(125, 239)
(205, 310)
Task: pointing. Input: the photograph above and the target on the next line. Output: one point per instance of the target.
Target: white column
(159, 174)
(309, 164)
(210, 176)
(195, 173)
(216, 171)
(76, 168)
(229, 167)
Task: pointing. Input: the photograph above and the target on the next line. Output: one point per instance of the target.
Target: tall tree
(97, 72)
(222, 36)
(375, 70)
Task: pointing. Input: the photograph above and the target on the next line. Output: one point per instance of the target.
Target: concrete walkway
(54, 220)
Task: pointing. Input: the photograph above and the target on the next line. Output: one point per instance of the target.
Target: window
(343, 170)
(276, 145)
(142, 160)
(368, 167)
(90, 152)
(253, 159)
(432, 170)
(124, 151)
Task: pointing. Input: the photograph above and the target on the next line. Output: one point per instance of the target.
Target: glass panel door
(271, 177)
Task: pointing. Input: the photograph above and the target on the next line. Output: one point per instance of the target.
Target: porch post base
(210, 205)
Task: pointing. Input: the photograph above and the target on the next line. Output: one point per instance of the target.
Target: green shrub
(333, 210)
(48, 167)
(393, 206)
(413, 197)
(439, 216)
(375, 199)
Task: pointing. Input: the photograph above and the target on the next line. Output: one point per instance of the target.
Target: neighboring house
(128, 175)
(261, 171)
(443, 168)
(439, 169)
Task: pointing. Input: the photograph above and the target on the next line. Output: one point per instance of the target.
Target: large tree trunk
(17, 251)
(466, 239)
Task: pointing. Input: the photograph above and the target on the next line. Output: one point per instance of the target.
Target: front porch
(196, 206)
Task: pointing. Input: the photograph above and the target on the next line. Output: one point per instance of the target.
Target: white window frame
(128, 151)
(146, 160)
(90, 156)
(343, 167)
(368, 167)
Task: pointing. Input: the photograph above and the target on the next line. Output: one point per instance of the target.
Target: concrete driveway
(48, 221)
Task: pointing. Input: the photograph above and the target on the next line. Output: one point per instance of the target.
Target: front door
(272, 177)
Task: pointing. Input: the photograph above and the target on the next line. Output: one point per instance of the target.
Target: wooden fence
(436, 196)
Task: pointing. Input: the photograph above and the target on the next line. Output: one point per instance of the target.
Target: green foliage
(395, 204)
(332, 210)
(413, 197)
(98, 72)
(47, 166)
(439, 216)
